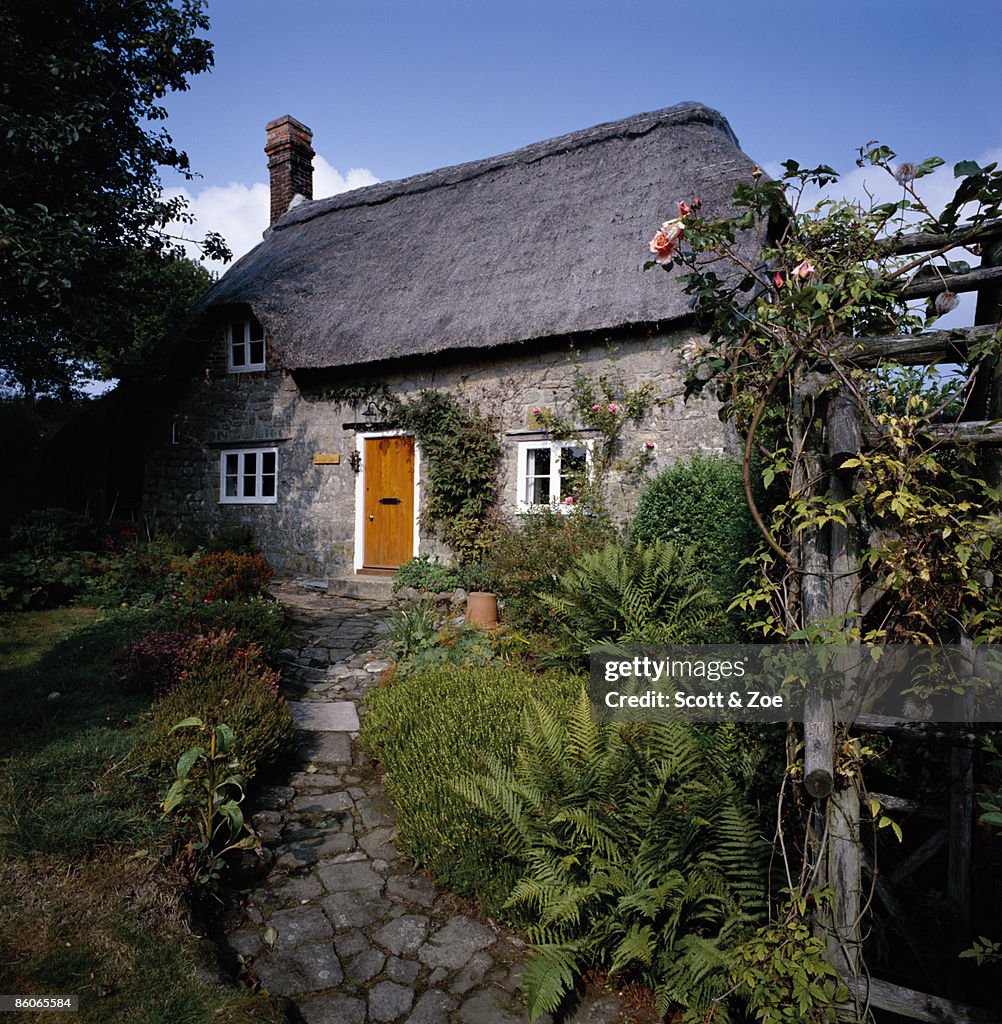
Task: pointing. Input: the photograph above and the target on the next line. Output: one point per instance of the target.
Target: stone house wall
(311, 527)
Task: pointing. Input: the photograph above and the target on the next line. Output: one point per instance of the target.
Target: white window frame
(238, 334)
(555, 448)
(241, 498)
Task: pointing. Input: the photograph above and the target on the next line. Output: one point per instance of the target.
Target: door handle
(371, 518)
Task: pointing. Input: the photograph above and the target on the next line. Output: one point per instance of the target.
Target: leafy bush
(154, 662)
(528, 560)
(53, 531)
(701, 503)
(33, 582)
(224, 576)
(223, 678)
(257, 619)
(425, 573)
(638, 853)
(649, 594)
(426, 730)
(413, 630)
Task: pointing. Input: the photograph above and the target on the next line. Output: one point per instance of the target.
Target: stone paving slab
(333, 716)
(360, 936)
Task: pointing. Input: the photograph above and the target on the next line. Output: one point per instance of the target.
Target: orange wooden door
(389, 502)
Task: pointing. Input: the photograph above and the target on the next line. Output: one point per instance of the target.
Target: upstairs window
(248, 476)
(551, 473)
(245, 345)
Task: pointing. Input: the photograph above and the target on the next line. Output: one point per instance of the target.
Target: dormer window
(245, 345)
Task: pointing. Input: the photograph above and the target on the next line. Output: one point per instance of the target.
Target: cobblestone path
(342, 924)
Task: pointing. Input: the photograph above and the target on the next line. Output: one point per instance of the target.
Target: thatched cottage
(501, 281)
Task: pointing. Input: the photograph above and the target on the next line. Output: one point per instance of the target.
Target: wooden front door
(388, 525)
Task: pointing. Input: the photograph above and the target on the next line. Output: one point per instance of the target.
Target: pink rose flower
(683, 208)
(665, 242)
(613, 407)
(536, 410)
(649, 445)
(569, 500)
(696, 202)
(595, 408)
(778, 280)
(803, 269)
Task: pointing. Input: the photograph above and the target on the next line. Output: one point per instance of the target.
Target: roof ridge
(385, 191)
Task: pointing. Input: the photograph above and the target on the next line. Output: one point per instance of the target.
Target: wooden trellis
(831, 591)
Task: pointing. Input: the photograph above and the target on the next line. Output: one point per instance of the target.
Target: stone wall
(311, 528)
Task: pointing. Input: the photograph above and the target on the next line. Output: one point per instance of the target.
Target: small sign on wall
(327, 459)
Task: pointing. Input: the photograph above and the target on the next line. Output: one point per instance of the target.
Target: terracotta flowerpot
(482, 609)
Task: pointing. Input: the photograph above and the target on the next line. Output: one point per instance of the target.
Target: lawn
(89, 901)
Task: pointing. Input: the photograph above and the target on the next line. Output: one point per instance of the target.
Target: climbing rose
(595, 408)
(649, 445)
(665, 242)
(683, 208)
(804, 269)
(778, 280)
(536, 410)
(569, 500)
(613, 407)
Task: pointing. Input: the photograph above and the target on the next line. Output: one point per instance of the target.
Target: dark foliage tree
(82, 212)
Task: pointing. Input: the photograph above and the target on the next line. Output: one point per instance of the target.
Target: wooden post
(845, 440)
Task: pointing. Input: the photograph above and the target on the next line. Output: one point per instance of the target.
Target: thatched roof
(543, 242)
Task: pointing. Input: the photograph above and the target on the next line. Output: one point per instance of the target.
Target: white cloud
(240, 212)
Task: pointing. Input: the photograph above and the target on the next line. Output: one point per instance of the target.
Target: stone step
(363, 588)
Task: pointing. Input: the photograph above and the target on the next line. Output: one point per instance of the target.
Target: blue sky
(393, 88)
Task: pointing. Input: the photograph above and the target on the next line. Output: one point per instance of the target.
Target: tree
(82, 212)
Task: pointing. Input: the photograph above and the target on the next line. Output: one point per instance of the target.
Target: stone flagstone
(335, 716)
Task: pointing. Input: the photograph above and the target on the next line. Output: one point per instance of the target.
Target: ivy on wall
(461, 455)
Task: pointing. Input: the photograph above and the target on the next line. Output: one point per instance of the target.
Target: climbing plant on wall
(461, 455)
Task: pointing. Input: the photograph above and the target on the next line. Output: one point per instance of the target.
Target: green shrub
(224, 576)
(640, 593)
(223, 679)
(53, 531)
(426, 573)
(33, 582)
(257, 619)
(701, 503)
(528, 560)
(638, 854)
(425, 730)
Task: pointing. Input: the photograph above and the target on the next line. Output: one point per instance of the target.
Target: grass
(89, 904)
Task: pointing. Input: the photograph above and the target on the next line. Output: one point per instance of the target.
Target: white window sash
(523, 476)
(238, 339)
(244, 480)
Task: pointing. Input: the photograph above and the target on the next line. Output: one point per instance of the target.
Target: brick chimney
(290, 162)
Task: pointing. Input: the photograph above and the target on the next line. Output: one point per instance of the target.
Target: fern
(641, 593)
(638, 853)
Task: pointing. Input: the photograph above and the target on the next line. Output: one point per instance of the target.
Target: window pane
(573, 470)
(538, 490)
(268, 486)
(238, 355)
(230, 488)
(256, 331)
(268, 462)
(231, 464)
(256, 352)
(539, 462)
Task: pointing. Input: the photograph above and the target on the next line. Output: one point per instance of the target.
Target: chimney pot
(290, 162)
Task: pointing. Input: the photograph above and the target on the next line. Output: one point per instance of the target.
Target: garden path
(343, 924)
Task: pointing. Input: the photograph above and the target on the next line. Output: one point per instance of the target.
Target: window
(249, 476)
(551, 473)
(245, 345)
